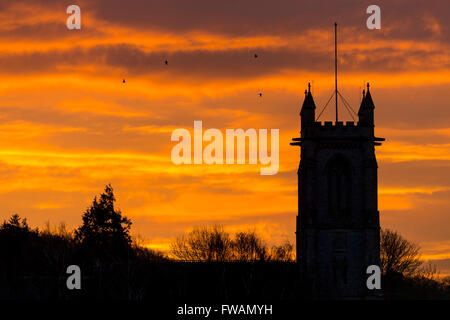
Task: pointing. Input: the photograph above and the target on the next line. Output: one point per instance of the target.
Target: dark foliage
(104, 232)
(400, 287)
(33, 265)
(398, 255)
(210, 244)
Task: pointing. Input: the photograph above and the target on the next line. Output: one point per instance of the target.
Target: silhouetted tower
(338, 226)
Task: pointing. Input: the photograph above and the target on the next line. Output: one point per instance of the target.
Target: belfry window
(339, 188)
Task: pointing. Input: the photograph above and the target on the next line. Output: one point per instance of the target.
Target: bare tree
(284, 252)
(398, 255)
(214, 244)
(248, 246)
(203, 244)
(446, 282)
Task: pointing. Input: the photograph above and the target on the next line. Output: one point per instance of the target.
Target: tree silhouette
(104, 229)
(284, 252)
(203, 244)
(248, 246)
(15, 225)
(214, 244)
(398, 255)
(17, 235)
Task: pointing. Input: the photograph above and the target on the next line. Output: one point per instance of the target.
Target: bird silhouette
(123, 81)
(256, 56)
(260, 94)
(166, 62)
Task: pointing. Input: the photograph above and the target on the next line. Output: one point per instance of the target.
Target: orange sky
(68, 125)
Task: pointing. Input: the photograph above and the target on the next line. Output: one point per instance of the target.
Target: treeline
(405, 274)
(33, 262)
(213, 244)
(104, 235)
(206, 263)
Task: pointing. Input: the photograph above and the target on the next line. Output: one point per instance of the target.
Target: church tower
(338, 225)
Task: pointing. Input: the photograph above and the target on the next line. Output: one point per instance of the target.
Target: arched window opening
(339, 188)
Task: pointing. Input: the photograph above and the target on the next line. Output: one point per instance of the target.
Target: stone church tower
(338, 225)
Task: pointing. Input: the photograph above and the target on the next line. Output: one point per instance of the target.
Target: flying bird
(166, 62)
(256, 56)
(123, 80)
(260, 94)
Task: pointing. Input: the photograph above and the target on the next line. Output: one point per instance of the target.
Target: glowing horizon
(69, 125)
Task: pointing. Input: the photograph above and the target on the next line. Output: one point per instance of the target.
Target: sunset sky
(69, 126)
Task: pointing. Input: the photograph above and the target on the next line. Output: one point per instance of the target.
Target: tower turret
(366, 110)
(308, 110)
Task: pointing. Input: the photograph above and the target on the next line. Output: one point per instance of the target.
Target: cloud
(69, 125)
(225, 63)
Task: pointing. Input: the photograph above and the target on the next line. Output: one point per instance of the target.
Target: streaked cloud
(69, 125)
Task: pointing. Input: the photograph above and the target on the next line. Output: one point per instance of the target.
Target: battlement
(337, 130)
(335, 124)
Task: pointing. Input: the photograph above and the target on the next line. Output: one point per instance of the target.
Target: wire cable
(332, 95)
